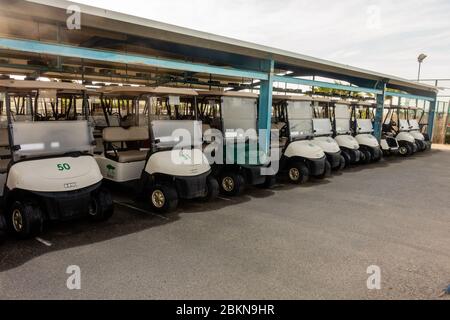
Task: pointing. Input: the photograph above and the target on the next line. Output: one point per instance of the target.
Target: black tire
(101, 207)
(163, 199)
(410, 150)
(232, 184)
(298, 173)
(3, 226)
(326, 172)
(347, 158)
(342, 163)
(367, 156)
(378, 154)
(403, 151)
(212, 189)
(25, 219)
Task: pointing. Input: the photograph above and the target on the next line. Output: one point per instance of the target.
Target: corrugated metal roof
(216, 42)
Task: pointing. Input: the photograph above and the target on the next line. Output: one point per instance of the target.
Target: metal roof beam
(116, 57)
(323, 84)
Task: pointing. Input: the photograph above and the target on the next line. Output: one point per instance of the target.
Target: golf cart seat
(4, 165)
(119, 135)
(131, 156)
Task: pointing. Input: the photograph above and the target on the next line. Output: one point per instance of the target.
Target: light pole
(421, 57)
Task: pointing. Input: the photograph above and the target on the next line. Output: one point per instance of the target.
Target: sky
(379, 35)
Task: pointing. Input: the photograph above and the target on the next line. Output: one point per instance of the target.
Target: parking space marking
(44, 242)
(124, 204)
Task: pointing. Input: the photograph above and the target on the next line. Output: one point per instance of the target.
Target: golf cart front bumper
(67, 205)
(316, 166)
(253, 175)
(334, 159)
(192, 187)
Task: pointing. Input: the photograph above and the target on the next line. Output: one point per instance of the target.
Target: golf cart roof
(321, 99)
(137, 91)
(291, 98)
(364, 103)
(28, 85)
(342, 102)
(217, 93)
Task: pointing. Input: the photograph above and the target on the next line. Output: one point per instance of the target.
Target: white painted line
(44, 242)
(124, 204)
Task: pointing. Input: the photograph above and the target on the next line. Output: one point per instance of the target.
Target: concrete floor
(313, 242)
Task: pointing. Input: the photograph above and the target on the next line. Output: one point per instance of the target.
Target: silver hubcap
(17, 220)
(294, 174)
(403, 150)
(228, 184)
(158, 198)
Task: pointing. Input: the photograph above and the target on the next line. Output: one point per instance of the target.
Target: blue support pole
(265, 107)
(379, 114)
(431, 116)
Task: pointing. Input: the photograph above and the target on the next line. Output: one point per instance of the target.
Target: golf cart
(323, 133)
(301, 157)
(340, 117)
(49, 172)
(400, 128)
(363, 131)
(234, 115)
(164, 165)
(422, 139)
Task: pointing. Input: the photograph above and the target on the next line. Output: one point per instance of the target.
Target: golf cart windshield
(322, 127)
(47, 138)
(177, 133)
(239, 114)
(364, 126)
(300, 119)
(414, 125)
(404, 125)
(342, 116)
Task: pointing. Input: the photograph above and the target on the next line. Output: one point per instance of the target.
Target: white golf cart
(340, 116)
(323, 133)
(363, 131)
(301, 157)
(49, 172)
(422, 141)
(235, 115)
(400, 128)
(164, 165)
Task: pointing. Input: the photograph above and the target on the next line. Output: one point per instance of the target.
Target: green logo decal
(63, 166)
(111, 170)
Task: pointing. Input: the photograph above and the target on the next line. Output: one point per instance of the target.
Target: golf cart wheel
(232, 184)
(298, 173)
(410, 150)
(326, 172)
(25, 219)
(367, 156)
(403, 151)
(163, 199)
(212, 187)
(342, 163)
(101, 207)
(378, 154)
(347, 159)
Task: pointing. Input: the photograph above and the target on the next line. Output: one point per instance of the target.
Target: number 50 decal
(63, 166)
